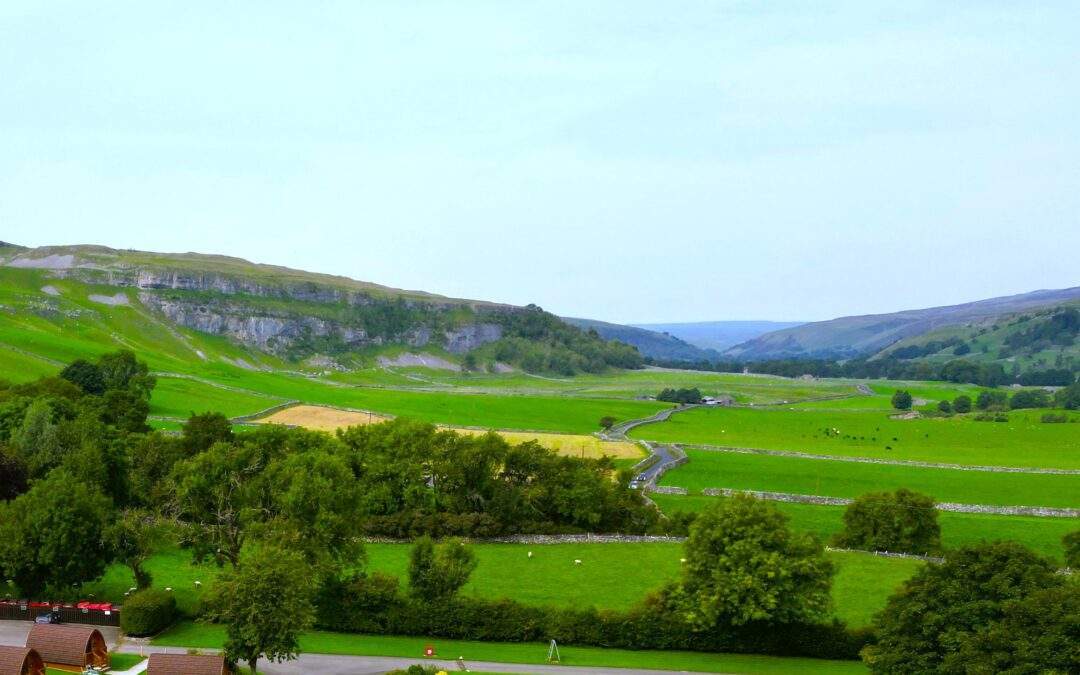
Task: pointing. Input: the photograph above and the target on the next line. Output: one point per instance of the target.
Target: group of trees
(683, 396)
(538, 341)
(79, 464)
(961, 371)
(66, 449)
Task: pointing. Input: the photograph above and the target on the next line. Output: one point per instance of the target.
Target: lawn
(1023, 441)
(204, 636)
(1040, 534)
(838, 478)
(611, 576)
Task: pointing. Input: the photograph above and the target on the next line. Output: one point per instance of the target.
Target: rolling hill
(866, 335)
(651, 343)
(718, 335)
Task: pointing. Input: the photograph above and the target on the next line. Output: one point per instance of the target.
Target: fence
(18, 610)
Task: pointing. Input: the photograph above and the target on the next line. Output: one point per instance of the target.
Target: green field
(838, 478)
(205, 636)
(178, 397)
(611, 576)
(1023, 441)
(957, 529)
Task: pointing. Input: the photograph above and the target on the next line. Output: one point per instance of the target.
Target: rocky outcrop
(278, 332)
(471, 336)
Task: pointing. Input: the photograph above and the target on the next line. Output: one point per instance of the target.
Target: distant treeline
(957, 370)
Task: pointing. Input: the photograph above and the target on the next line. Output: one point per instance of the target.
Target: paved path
(331, 664)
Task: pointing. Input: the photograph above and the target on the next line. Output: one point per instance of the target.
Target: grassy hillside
(865, 335)
(295, 316)
(1039, 340)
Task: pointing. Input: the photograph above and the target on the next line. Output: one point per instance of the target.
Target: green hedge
(148, 612)
(373, 605)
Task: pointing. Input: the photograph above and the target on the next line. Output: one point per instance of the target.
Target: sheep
(168, 589)
(198, 584)
(577, 562)
(530, 555)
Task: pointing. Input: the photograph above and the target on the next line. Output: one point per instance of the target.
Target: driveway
(13, 633)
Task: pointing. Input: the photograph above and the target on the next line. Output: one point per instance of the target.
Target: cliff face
(277, 310)
(282, 330)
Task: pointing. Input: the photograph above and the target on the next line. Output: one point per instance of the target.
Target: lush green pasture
(647, 382)
(1040, 534)
(178, 397)
(837, 478)
(611, 576)
(206, 636)
(1022, 441)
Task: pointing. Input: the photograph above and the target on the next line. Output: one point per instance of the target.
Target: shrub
(1054, 418)
(991, 400)
(1031, 398)
(945, 407)
(901, 400)
(148, 612)
(962, 404)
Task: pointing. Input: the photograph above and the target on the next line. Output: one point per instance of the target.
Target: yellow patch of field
(574, 445)
(321, 418)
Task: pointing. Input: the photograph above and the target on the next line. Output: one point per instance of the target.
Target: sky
(624, 161)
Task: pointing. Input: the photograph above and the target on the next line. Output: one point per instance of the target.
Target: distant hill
(651, 344)
(270, 311)
(718, 335)
(853, 336)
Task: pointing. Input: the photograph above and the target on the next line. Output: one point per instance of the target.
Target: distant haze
(623, 161)
(718, 335)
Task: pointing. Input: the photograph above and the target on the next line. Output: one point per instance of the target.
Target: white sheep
(198, 584)
(682, 560)
(169, 589)
(530, 555)
(577, 562)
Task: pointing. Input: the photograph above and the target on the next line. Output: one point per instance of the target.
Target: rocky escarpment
(286, 332)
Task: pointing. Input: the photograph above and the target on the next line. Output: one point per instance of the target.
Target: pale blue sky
(628, 161)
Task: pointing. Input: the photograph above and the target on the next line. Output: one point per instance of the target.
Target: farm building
(187, 664)
(20, 661)
(67, 647)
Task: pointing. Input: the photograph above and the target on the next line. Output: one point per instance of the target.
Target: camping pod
(187, 664)
(20, 661)
(67, 647)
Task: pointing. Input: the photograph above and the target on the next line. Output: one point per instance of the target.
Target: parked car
(52, 616)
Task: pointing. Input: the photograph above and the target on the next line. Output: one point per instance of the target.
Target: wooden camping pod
(20, 661)
(67, 645)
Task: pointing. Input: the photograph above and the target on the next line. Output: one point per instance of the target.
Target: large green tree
(53, 537)
(135, 535)
(901, 400)
(901, 521)
(1071, 542)
(744, 564)
(945, 612)
(266, 602)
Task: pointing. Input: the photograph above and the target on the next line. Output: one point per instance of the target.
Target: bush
(1031, 398)
(901, 400)
(1054, 418)
(991, 400)
(962, 404)
(945, 407)
(148, 612)
(892, 521)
